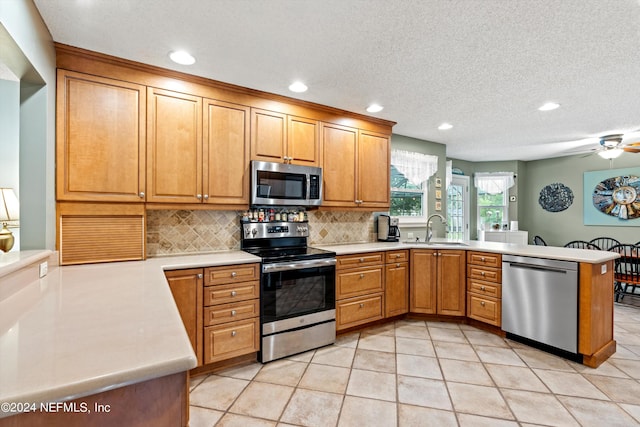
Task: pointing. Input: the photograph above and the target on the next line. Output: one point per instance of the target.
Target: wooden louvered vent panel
(89, 239)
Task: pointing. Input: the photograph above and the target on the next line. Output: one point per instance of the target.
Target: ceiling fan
(611, 146)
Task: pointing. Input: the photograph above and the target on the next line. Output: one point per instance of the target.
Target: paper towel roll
(514, 225)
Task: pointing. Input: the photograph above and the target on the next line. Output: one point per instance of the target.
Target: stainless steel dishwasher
(540, 300)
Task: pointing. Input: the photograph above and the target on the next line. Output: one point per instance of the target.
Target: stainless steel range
(297, 288)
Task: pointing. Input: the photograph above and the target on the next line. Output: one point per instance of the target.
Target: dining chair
(537, 240)
(604, 243)
(627, 270)
(582, 244)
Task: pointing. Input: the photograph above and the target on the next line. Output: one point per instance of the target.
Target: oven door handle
(298, 265)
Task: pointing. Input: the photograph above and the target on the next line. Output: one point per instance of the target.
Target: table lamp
(9, 211)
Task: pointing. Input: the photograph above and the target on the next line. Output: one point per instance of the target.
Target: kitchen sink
(422, 242)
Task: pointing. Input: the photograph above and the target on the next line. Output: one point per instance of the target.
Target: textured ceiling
(484, 66)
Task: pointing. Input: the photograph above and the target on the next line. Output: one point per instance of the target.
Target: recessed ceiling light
(182, 57)
(445, 126)
(374, 108)
(549, 106)
(298, 87)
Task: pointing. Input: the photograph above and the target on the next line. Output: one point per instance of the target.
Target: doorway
(458, 208)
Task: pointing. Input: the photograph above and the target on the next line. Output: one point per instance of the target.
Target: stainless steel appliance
(388, 230)
(540, 300)
(284, 184)
(297, 288)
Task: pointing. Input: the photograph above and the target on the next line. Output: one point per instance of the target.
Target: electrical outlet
(409, 235)
(603, 269)
(44, 269)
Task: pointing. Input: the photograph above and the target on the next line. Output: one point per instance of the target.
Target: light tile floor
(416, 373)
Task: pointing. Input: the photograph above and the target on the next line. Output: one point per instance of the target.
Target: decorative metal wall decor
(555, 197)
(612, 197)
(618, 196)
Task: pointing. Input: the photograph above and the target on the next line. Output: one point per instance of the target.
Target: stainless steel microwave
(285, 185)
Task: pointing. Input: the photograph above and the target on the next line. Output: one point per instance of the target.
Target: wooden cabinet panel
(451, 282)
(303, 141)
(486, 259)
(231, 339)
(422, 288)
(485, 273)
(397, 256)
(226, 153)
(373, 170)
(339, 144)
(186, 287)
(359, 282)
(222, 313)
(396, 296)
(231, 274)
(100, 139)
(484, 288)
(268, 135)
(484, 309)
(360, 310)
(174, 151)
(360, 260)
(221, 294)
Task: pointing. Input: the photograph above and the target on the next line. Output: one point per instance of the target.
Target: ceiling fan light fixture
(610, 153)
(549, 106)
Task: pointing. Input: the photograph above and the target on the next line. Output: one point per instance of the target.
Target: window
(493, 198)
(409, 174)
(407, 199)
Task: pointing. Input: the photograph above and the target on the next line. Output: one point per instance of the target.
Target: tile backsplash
(176, 232)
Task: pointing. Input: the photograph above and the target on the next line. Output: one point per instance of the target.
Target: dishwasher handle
(537, 267)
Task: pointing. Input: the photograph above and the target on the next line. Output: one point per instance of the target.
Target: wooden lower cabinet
(186, 288)
(396, 296)
(438, 282)
(484, 287)
(360, 289)
(231, 339)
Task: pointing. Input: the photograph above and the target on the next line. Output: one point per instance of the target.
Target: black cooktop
(289, 253)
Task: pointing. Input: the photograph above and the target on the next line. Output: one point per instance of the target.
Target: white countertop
(82, 330)
(550, 252)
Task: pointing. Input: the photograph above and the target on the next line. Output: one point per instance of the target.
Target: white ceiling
(484, 66)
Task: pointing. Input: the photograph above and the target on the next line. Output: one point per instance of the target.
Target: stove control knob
(254, 231)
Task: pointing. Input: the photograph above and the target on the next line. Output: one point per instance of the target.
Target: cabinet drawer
(222, 313)
(484, 309)
(231, 339)
(231, 274)
(359, 282)
(357, 311)
(222, 294)
(487, 274)
(484, 258)
(483, 288)
(397, 256)
(359, 260)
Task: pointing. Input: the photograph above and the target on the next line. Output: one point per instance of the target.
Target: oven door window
(282, 186)
(293, 293)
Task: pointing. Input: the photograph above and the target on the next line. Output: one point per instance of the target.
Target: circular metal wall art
(555, 197)
(618, 196)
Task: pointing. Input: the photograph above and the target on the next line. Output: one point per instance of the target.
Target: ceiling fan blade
(631, 149)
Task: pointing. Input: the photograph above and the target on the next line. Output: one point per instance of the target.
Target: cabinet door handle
(482, 259)
(141, 194)
(233, 313)
(482, 288)
(200, 276)
(206, 197)
(361, 305)
(398, 265)
(198, 196)
(234, 274)
(233, 333)
(482, 303)
(361, 260)
(435, 254)
(362, 275)
(234, 293)
(482, 273)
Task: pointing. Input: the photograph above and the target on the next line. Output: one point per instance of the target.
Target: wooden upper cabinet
(373, 169)
(174, 147)
(339, 145)
(100, 139)
(226, 153)
(277, 137)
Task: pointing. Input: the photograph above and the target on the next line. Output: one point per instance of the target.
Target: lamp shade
(610, 153)
(9, 206)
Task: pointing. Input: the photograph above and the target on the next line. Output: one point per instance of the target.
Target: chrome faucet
(429, 232)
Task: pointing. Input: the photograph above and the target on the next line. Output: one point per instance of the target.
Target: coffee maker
(388, 230)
